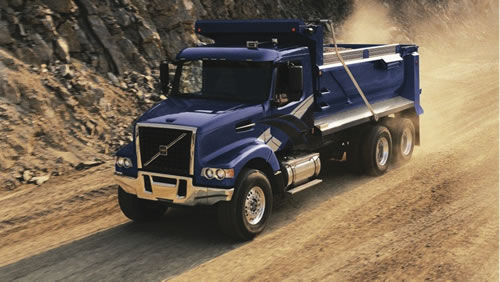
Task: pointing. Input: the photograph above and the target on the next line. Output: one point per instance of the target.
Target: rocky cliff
(75, 73)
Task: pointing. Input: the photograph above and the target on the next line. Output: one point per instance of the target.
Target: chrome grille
(165, 150)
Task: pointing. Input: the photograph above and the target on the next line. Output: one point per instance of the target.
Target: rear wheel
(246, 214)
(376, 150)
(139, 209)
(354, 160)
(404, 140)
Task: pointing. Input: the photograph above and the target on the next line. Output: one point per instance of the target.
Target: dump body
(387, 74)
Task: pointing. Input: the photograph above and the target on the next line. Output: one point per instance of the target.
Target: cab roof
(238, 53)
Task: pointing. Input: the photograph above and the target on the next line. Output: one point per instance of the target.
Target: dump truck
(252, 115)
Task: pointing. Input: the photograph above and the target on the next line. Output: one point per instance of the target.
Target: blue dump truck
(252, 115)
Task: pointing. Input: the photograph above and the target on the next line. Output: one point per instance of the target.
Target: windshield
(226, 80)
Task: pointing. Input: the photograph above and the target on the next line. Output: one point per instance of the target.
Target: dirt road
(434, 218)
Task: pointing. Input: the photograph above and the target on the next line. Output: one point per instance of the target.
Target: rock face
(61, 6)
(5, 37)
(122, 35)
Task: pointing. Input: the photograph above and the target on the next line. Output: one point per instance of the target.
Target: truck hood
(204, 114)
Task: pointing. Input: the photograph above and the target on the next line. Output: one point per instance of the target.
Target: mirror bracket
(164, 77)
(281, 99)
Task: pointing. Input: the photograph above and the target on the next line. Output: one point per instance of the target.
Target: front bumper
(171, 191)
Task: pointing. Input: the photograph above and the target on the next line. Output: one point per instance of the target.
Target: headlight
(208, 173)
(123, 162)
(127, 163)
(218, 173)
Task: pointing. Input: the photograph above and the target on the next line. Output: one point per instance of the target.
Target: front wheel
(247, 213)
(139, 209)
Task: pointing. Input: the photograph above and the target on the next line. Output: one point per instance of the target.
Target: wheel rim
(406, 142)
(382, 152)
(255, 205)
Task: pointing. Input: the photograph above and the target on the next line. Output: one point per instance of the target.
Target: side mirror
(164, 77)
(296, 82)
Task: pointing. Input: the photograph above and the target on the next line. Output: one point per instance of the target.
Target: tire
(235, 219)
(354, 161)
(403, 133)
(138, 209)
(376, 150)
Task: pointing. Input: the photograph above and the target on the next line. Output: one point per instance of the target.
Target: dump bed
(387, 74)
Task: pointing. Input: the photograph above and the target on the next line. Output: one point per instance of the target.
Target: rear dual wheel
(404, 140)
(376, 150)
(375, 147)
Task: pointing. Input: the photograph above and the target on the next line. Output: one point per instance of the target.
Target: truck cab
(247, 117)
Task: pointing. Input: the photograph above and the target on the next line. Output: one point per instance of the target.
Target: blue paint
(229, 53)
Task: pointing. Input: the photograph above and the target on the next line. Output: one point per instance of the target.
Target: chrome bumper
(168, 192)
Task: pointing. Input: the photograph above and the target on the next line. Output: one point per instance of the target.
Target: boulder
(39, 180)
(147, 34)
(5, 37)
(88, 164)
(107, 41)
(27, 175)
(49, 25)
(113, 79)
(27, 55)
(123, 18)
(61, 6)
(128, 48)
(153, 52)
(41, 48)
(91, 97)
(11, 92)
(62, 49)
(68, 31)
(16, 3)
(65, 71)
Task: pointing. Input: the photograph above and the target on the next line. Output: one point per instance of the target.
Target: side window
(191, 78)
(282, 79)
(289, 82)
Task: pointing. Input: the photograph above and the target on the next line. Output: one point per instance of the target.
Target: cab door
(291, 114)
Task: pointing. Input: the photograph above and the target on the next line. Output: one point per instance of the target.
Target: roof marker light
(252, 44)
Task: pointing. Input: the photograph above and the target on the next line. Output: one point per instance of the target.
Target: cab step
(304, 186)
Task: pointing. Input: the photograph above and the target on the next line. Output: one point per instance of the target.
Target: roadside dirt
(34, 219)
(433, 218)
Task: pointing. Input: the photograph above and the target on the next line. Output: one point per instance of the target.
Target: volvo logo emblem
(163, 149)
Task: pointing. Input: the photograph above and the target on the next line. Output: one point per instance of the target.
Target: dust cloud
(433, 25)
(458, 46)
(369, 23)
